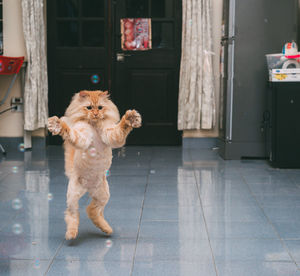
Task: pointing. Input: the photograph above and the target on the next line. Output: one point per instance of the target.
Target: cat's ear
(105, 94)
(83, 94)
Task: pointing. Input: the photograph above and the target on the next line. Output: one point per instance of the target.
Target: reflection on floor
(174, 212)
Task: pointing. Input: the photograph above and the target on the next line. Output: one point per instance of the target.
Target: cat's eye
(89, 107)
(100, 107)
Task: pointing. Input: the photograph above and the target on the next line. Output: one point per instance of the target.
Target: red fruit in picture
(133, 44)
(129, 37)
(128, 31)
(128, 25)
(128, 45)
(146, 43)
(129, 34)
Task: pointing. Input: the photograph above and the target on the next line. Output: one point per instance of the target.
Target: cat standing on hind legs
(90, 129)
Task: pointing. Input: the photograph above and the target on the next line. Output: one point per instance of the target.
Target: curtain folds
(196, 102)
(36, 80)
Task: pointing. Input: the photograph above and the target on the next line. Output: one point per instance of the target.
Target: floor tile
(41, 228)
(275, 188)
(98, 247)
(238, 268)
(173, 268)
(120, 201)
(280, 213)
(91, 268)
(271, 200)
(181, 213)
(220, 187)
(131, 213)
(182, 250)
(171, 200)
(174, 211)
(229, 200)
(265, 178)
(249, 250)
(294, 249)
(241, 230)
(189, 191)
(173, 230)
(184, 177)
(226, 212)
(19, 246)
(288, 229)
(23, 267)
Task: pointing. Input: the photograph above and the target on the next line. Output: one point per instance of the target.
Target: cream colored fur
(90, 133)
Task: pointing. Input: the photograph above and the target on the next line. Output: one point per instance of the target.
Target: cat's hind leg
(95, 209)
(75, 192)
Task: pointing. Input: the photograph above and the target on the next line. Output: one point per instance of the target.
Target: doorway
(84, 52)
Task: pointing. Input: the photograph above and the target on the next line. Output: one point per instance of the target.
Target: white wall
(11, 123)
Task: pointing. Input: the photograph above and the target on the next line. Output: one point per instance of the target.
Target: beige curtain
(196, 103)
(36, 80)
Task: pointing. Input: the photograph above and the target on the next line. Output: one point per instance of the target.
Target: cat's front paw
(133, 118)
(54, 125)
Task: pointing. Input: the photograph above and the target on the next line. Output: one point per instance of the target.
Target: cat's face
(94, 104)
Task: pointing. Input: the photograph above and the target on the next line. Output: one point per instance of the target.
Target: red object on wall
(136, 34)
(10, 65)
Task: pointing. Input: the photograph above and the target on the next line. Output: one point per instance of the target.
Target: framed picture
(136, 34)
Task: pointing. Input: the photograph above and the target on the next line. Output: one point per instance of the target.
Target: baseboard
(199, 143)
(238, 150)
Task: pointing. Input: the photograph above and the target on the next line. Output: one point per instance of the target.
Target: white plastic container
(275, 61)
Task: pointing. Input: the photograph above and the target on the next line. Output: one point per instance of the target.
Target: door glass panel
(93, 8)
(67, 33)
(67, 8)
(137, 8)
(93, 33)
(161, 8)
(162, 35)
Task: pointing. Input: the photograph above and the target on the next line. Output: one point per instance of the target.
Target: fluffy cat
(90, 129)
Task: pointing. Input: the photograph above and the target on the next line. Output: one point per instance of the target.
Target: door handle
(121, 56)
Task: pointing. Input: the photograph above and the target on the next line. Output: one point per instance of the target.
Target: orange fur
(90, 128)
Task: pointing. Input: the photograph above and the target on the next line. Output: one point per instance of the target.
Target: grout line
(51, 262)
(271, 223)
(203, 215)
(141, 215)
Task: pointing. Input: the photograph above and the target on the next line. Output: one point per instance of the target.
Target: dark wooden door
(83, 43)
(78, 51)
(148, 80)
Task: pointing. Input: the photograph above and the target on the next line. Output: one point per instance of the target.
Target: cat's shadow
(81, 238)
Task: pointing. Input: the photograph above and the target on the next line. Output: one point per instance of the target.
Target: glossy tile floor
(174, 212)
